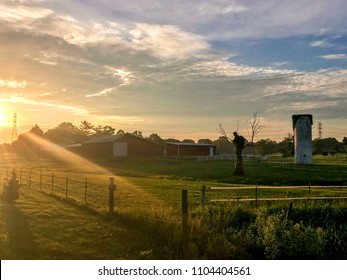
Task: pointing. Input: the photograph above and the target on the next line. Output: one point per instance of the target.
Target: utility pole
(14, 129)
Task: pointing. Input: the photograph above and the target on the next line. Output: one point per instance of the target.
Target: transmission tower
(14, 129)
(320, 130)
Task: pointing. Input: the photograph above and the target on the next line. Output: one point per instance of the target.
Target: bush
(10, 190)
(313, 232)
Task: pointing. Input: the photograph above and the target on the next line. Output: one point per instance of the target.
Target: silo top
(296, 117)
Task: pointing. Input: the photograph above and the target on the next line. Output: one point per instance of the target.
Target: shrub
(10, 190)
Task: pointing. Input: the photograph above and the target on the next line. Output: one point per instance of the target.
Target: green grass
(39, 226)
(267, 173)
(148, 206)
(150, 185)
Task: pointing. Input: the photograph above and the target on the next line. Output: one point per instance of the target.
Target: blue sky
(176, 68)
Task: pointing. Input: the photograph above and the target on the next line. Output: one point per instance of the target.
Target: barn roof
(113, 138)
(103, 139)
(191, 144)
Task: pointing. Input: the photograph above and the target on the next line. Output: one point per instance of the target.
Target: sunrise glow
(2, 119)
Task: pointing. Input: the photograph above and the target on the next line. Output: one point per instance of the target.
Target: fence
(97, 192)
(301, 193)
(83, 190)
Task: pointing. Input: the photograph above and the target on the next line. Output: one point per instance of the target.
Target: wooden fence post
(185, 218)
(309, 190)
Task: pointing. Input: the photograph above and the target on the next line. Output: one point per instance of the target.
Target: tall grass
(313, 231)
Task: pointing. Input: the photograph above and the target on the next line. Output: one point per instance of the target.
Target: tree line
(67, 133)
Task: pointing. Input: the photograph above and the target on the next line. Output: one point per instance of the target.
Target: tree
(224, 146)
(87, 128)
(10, 190)
(65, 133)
(188, 141)
(138, 133)
(155, 138)
(241, 143)
(25, 146)
(172, 140)
(205, 141)
(104, 130)
(36, 130)
(265, 147)
(286, 146)
(325, 145)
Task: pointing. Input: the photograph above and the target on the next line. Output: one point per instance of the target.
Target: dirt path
(42, 227)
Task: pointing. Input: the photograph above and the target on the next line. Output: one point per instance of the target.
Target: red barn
(120, 146)
(189, 149)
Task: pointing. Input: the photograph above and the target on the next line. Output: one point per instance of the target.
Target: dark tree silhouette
(241, 143)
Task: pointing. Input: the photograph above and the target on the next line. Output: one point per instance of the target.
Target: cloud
(318, 43)
(20, 16)
(101, 93)
(156, 56)
(334, 56)
(13, 84)
(22, 100)
(167, 41)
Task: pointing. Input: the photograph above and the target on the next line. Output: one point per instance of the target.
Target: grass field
(70, 220)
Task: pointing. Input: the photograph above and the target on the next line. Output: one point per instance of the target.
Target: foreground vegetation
(312, 231)
(146, 222)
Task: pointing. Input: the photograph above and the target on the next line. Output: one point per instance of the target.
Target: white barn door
(120, 149)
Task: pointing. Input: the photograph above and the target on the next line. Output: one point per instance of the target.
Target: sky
(172, 67)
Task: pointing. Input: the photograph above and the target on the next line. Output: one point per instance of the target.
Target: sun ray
(66, 156)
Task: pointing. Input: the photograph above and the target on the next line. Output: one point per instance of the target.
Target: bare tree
(241, 143)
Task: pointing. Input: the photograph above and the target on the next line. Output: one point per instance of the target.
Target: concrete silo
(302, 126)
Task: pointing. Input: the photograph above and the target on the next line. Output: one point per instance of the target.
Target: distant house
(189, 149)
(120, 146)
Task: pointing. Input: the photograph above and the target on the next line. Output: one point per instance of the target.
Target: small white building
(302, 126)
